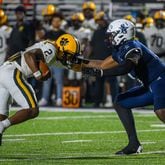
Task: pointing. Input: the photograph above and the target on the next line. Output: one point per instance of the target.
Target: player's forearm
(93, 64)
(115, 71)
(31, 62)
(102, 64)
(119, 70)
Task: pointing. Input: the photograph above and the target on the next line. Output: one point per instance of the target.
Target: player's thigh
(158, 90)
(21, 91)
(5, 101)
(135, 97)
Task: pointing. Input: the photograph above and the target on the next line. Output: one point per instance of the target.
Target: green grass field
(83, 138)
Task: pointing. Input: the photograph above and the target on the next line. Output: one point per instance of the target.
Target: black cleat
(130, 150)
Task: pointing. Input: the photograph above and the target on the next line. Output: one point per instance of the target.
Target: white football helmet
(119, 31)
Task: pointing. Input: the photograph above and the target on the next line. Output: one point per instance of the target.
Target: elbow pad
(134, 55)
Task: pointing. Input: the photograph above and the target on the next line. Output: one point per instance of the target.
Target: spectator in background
(140, 16)
(101, 51)
(40, 31)
(5, 32)
(89, 9)
(47, 13)
(155, 35)
(57, 73)
(84, 36)
(22, 34)
(148, 22)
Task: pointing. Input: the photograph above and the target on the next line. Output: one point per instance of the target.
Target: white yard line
(79, 133)
(77, 141)
(147, 142)
(152, 152)
(158, 125)
(75, 117)
(72, 141)
(86, 117)
(90, 141)
(13, 140)
(99, 110)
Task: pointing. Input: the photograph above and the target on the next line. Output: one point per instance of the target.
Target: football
(44, 68)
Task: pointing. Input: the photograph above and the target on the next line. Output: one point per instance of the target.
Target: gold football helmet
(49, 10)
(148, 22)
(89, 5)
(130, 18)
(78, 17)
(159, 19)
(68, 48)
(159, 15)
(3, 17)
(99, 15)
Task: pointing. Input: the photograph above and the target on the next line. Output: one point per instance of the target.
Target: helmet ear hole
(120, 36)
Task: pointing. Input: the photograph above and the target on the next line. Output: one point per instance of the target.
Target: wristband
(37, 74)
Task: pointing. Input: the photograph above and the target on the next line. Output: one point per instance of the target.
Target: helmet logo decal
(123, 28)
(64, 41)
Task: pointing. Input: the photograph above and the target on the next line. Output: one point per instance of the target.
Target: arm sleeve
(134, 55)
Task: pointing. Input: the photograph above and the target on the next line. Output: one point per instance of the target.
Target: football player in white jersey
(34, 62)
(5, 31)
(155, 34)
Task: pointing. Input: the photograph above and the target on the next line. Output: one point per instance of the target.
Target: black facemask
(160, 23)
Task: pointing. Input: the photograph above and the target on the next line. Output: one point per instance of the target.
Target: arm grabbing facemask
(121, 69)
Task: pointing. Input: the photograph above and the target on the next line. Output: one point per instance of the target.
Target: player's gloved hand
(92, 72)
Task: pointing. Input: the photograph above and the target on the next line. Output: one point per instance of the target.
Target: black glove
(92, 72)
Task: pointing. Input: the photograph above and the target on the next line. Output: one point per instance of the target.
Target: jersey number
(157, 40)
(48, 52)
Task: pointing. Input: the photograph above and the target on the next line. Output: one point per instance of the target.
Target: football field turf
(81, 137)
